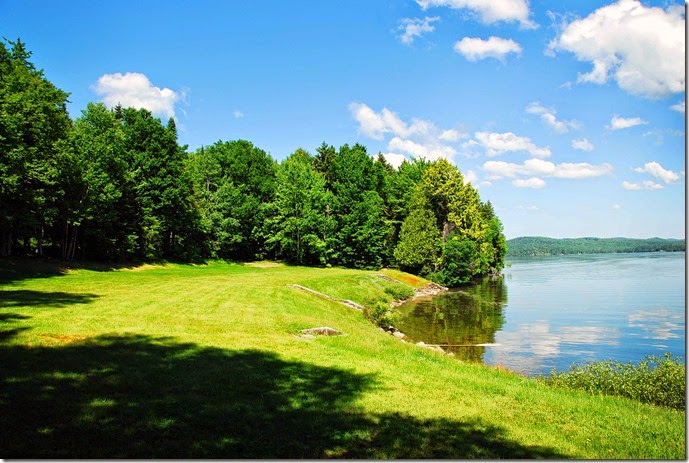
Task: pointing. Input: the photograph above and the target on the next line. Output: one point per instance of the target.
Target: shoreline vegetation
(226, 360)
(537, 246)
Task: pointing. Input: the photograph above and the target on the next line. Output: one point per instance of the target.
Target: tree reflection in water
(458, 319)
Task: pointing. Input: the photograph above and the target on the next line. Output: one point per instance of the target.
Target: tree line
(540, 246)
(115, 185)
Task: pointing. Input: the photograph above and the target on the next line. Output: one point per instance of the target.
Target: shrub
(655, 380)
(381, 314)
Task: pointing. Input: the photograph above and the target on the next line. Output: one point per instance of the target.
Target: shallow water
(547, 313)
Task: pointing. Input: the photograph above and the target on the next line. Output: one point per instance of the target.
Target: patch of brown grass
(60, 339)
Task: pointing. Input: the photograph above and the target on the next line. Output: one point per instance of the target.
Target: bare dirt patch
(264, 264)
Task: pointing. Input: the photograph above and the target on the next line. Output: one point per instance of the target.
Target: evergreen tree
(33, 118)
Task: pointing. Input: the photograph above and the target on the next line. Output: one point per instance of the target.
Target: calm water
(548, 313)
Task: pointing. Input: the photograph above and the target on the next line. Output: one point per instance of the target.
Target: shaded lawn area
(135, 396)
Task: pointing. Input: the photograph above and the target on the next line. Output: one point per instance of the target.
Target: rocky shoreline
(430, 289)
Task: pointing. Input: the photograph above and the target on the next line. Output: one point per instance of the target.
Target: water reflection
(561, 310)
(660, 324)
(538, 347)
(459, 318)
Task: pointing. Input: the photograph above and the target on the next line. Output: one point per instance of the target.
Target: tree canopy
(114, 184)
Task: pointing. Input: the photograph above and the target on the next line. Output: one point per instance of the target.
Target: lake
(547, 313)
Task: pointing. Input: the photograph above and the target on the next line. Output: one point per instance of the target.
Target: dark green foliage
(540, 246)
(380, 314)
(234, 183)
(298, 224)
(115, 185)
(655, 380)
(458, 262)
(449, 235)
(33, 118)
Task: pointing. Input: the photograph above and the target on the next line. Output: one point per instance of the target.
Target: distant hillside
(541, 246)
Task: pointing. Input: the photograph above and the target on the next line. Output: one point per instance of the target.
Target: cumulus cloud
(489, 11)
(582, 144)
(394, 159)
(617, 123)
(679, 107)
(533, 182)
(645, 185)
(540, 168)
(657, 171)
(133, 89)
(415, 27)
(496, 144)
(377, 124)
(474, 49)
(237, 114)
(548, 116)
(641, 48)
(418, 138)
(428, 150)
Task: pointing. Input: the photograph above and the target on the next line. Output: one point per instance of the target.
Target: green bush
(655, 380)
(381, 314)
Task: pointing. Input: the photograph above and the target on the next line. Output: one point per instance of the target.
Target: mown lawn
(183, 361)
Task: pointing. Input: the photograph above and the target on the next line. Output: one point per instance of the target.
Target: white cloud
(679, 107)
(500, 143)
(616, 206)
(641, 48)
(419, 138)
(471, 177)
(617, 123)
(237, 114)
(370, 123)
(533, 182)
(489, 11)
(133, 89)
(451, 135)
(541, 168)
(645, 185)
(415, 28)
(548, 116)
(659, 172)
(377, 125)
(428, 150)
(394, 159)
(582, 144)
(475, 49)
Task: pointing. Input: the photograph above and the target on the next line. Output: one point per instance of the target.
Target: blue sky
(568, 116)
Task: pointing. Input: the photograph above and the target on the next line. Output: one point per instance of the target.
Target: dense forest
(540, 246)
(115, 185)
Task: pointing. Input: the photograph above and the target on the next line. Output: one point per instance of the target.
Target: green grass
(182, 361)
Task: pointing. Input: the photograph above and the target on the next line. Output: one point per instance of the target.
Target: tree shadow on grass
(141, 397)
(26, 297)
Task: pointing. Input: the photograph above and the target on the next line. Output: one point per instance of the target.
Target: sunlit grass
(204, 361)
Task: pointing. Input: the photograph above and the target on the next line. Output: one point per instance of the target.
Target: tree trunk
(6, 243)
(40, 241)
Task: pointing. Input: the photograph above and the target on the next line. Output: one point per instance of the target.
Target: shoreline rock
(431, 289)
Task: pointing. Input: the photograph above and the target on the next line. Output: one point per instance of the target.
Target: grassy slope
(203, 361)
